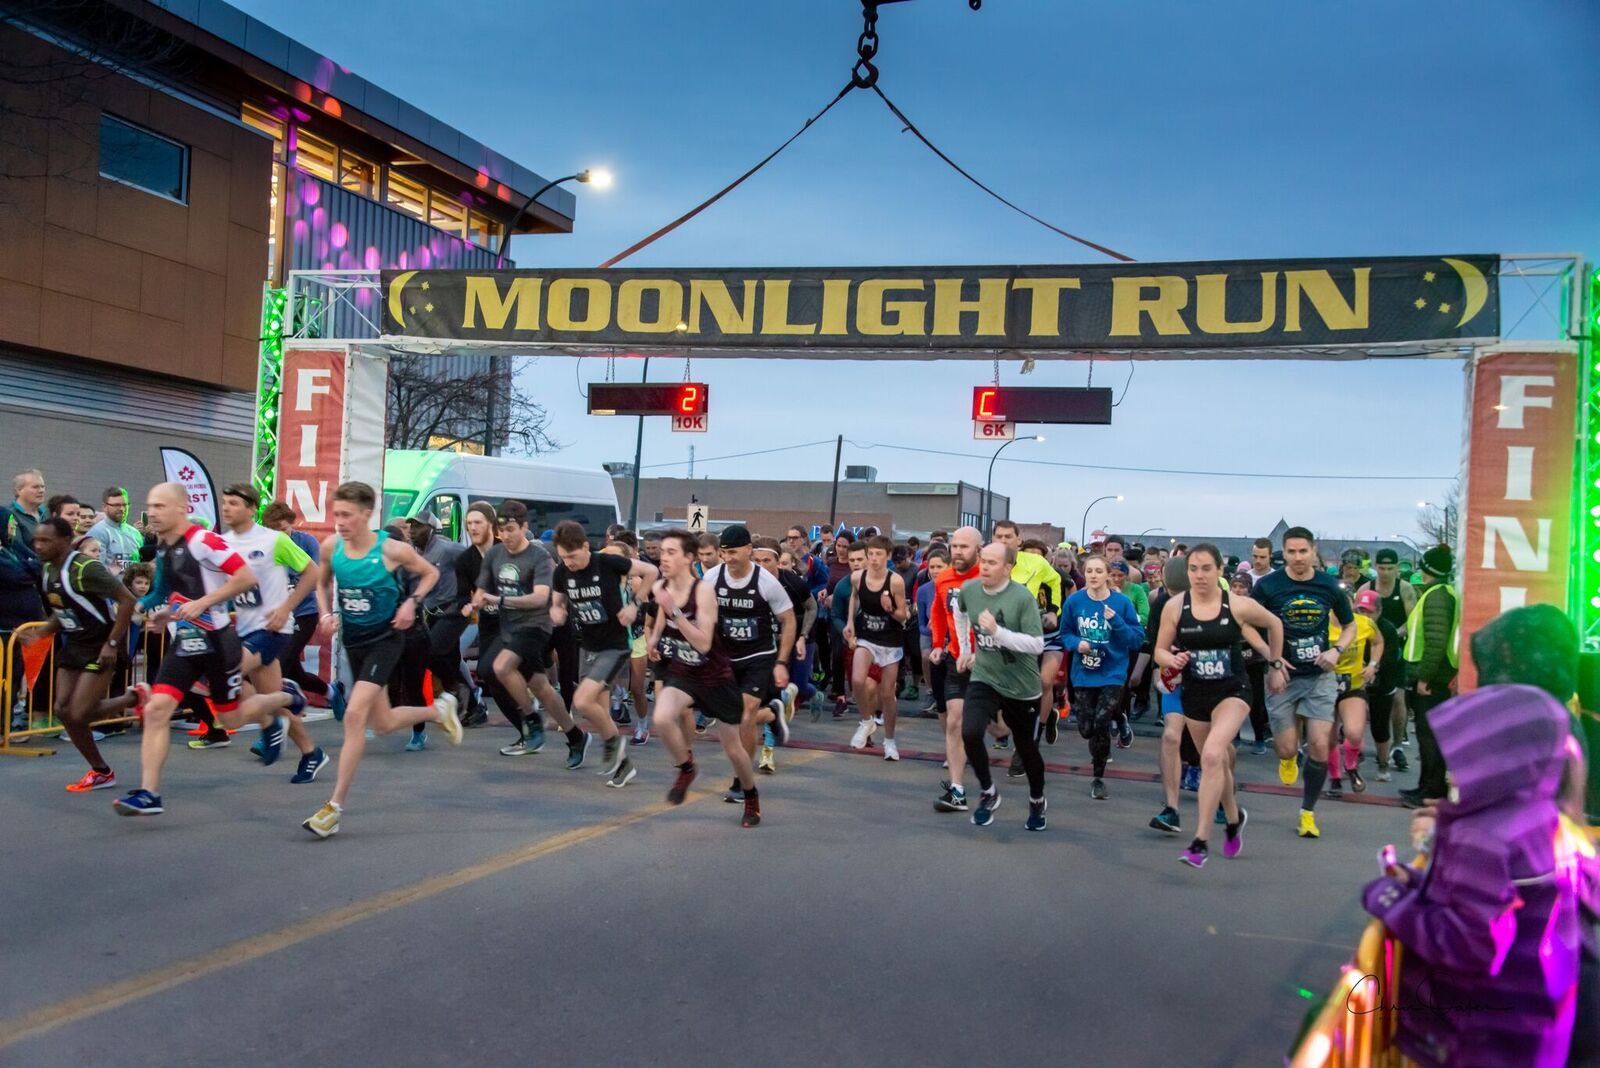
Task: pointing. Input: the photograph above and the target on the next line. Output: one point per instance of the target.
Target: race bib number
(738, 629)
(193, 645)
(590, 614)
(1093, 660)
(68, 621)
(1305, 648)
(250, 598)
(1344, 684)
(874, 624)
(681, 651)
(1210, 665)
(355, 602)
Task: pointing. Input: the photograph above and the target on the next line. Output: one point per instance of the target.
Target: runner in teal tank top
(369, 615)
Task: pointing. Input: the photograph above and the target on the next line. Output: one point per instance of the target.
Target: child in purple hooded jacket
(1491, 928)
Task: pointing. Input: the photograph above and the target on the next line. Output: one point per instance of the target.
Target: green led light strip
(264, 465)
(1586, 584)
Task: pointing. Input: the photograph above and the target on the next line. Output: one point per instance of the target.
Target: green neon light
(1586, 596)
(264, 468)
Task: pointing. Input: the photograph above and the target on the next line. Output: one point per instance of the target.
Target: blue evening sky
(1168, 130)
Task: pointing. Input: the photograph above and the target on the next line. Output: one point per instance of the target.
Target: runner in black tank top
(1204, 638)
(876, 632)
(874, 622)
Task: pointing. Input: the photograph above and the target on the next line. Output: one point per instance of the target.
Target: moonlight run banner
(1388, 301)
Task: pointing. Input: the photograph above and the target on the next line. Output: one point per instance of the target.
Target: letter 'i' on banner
(1516, 527)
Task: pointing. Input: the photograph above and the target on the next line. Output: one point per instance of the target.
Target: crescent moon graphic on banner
(1477, 290)
(397, 289)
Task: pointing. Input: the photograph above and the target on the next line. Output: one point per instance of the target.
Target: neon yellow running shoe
(1308, 825)
(1288, 772)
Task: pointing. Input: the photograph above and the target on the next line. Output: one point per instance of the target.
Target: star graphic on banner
(429, 307)
(425, 284)
(1420, 304)
(1427, 276)
(185, 473)
(1444, 307)
(412, 308)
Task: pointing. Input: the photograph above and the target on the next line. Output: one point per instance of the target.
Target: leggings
(444, 650)
(564, 640)
(983, 705)
(1379, 708)
(1097, 708)
(1258, 700)
(936, 677)
(293, 667)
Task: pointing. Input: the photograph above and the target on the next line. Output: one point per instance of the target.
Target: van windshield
(397, 504)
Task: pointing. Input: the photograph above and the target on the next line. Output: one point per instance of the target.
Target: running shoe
(1398, 758)
(1140, 710)
(338, 700)
(1335, 790)
(641, 735)
(1190, 780)
(814, 706)
(1097, 790)
(701, 722)
(417, 742)
(516, 748)
(93, 780)
(612, 753)
(325, 823)
(215, 740)
(139, 803)
(272, 740)
(1016, 770)
(577, 750)
(535, 737)
(890, 750)
(1003, 742)
(310, 764)
(623, 775)
(1233, 840)
(258, 747)
(930, 709)
(1383, 773)
(680, 785)
(1221, 818)
(988, 801)
(954, 799)
(297, 697)
(734, 793)
(780, 723)
(1308, 825)
(1288, 771)
(1195, 856)
(449, 716)
(1416, 798)
(790, 692)
(839, 705)
(1166, 820)
(1052, 727)
(752, 812)
(1125, 735)
(877, 720)
(1259, 749)
(863, 735)
(1035, 820)
(764, 763)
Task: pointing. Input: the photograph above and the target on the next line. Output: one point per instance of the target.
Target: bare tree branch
(1438, 520)
(434, 406)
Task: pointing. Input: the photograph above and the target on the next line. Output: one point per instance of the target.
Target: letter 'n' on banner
(331, 420)
(1516, 527)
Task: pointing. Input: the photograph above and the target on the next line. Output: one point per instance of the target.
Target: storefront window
(408, 196)
(358, 175)
(446, 214)
(314, 155)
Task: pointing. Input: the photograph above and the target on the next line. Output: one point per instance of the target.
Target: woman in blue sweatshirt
(1100, 628)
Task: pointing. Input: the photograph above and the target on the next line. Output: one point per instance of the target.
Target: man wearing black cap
(1396, 599)
(1431, 658)
(755, 626)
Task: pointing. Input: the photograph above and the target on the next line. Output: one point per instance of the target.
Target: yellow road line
(159, 980)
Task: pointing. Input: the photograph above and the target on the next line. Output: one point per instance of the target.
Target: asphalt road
(513, 912)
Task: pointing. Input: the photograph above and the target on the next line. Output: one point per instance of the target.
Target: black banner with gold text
(1438, 300)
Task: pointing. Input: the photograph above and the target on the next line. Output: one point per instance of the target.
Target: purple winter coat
(1491, 929)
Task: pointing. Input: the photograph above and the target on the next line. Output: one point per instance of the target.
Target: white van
(446, 483)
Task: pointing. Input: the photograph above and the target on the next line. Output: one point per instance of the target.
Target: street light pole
(1083, 534)
(599, 178)
(638, 455)
(988, 495)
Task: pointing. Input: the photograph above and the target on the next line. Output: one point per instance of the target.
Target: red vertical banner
(311, 434)
(1518, 522)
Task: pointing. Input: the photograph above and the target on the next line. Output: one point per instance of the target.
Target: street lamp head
(1119, 496)
(599, 177)
(1038, 437)
(1422, 504)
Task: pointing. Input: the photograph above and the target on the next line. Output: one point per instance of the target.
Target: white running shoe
(789, 693)
(890, 750)
(863, 734)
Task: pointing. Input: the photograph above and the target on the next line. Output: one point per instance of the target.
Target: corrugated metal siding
(334, 229)
(106, 394)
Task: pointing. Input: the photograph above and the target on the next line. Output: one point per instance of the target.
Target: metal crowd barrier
(39, 698)
(1354, 1027)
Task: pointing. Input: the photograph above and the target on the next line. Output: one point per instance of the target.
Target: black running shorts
(375, 661)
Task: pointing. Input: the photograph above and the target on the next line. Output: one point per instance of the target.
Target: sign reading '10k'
(903, 310)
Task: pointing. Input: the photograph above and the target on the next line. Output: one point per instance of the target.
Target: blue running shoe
(138, 803)
(297, 697)
(337, 700)
(310, 764)
(1036, 815)
(418, 742)
(988, 801)
(272, 740)
(1191, 777)
(1166, 820)
(535, 740)
(258, 749)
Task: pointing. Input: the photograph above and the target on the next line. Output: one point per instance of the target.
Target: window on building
(484, 231)
(446, 214)
(408, 196)
(145, 160)
(358, 175)
(270, 125)
(314, 155)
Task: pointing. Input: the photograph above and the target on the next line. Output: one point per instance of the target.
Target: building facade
(768, 507)
(160, 164)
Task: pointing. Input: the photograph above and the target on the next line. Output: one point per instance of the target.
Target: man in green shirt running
(1003, 618)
